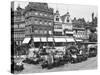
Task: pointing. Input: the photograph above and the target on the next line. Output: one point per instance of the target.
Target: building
(79, 33)
(18, 26)
(39, 20)
(67, 25)
(57, 24)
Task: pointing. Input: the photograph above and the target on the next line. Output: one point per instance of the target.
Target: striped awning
(60, 39)
(36, 39)
(70, 39)
(79, 40)
(26, 40)
(50, 39)
(69, 32)
(43, 39)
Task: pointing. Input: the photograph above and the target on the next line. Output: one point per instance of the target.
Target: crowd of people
(50, 57)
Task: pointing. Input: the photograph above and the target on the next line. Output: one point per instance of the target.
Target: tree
(93, 37)
(93, 30)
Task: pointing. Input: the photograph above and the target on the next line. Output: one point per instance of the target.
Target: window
(22, 25)
(41, 14)
(45, 32)
(30, 30)
(29, 13)
(26, 14)
(50, 15)
(40, 21)
(57, 19)
(36, 31)
(68, 19)
(50, 23)
(45, 22)
(50, 32)
(36, 21)
(45, 14)
(32, 12)
(36, 13)
(15, 26)
(41, 31)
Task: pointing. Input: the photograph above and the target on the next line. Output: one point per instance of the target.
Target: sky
(78, 11)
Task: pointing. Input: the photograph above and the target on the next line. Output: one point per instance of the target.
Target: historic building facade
(18, 26)
(39, 20)
(79, 33)
(67, 25)
(57, 24)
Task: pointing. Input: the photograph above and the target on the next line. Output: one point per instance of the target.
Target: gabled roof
(63, 17)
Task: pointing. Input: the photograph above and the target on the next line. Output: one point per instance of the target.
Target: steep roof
(64, 16)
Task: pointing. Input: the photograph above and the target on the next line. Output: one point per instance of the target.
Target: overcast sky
(78, 11)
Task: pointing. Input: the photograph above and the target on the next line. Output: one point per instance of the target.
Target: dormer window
(57, 18)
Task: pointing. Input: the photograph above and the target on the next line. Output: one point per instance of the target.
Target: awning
(60, 39)
(67, 32)
(79, 40)
(43, 39)
(36, 39)
(70, 39)
(26, 40)
(50, 39)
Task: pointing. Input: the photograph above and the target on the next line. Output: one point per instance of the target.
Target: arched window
(57, 18)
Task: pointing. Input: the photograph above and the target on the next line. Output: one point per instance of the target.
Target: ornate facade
(57, 24)
(18, 26)
(38, 19)
(67, 25)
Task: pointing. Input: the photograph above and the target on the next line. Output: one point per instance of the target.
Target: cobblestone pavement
(91, 63)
